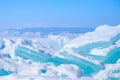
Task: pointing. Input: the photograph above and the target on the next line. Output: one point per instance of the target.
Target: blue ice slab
(85, 49)
(87, 67)
(4, 72)
(27, 53)
(113, 56)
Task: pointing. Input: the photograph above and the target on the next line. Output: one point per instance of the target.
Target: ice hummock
(65, 56)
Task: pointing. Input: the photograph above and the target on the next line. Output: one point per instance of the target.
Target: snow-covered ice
(65, 56)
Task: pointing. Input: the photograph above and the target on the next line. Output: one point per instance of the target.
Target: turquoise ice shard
(88, 66)
(27, 53)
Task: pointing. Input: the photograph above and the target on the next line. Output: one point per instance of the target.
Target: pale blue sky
(58, 13)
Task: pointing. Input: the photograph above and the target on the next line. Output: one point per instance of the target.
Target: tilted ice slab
(97, 44)
(86, 64)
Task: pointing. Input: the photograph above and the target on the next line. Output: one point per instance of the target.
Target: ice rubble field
(90, 56)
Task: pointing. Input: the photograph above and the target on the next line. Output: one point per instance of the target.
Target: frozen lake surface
(60, 53)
